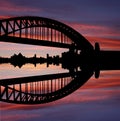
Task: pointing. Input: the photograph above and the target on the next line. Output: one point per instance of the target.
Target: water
(9, 71)
(97, 99)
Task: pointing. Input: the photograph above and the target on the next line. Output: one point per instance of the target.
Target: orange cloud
(4, 17)
(107, 37)
(105, 43)
(95, 30)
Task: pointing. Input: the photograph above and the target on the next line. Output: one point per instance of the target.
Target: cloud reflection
(96, 98)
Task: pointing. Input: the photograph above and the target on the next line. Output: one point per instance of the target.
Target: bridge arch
(41, 28)
(60, 88)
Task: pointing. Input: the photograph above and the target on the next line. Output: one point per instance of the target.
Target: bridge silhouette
(41, 31)
(47, 32)
(41, 89)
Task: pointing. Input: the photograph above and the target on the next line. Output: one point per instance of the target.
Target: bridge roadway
(33, 42)
(21, 80)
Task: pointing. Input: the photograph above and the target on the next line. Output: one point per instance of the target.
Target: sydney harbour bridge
(85, 60)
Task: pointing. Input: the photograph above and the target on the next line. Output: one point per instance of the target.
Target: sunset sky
(96, 20)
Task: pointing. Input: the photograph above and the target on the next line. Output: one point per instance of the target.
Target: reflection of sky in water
(97, 100)
(9, 71)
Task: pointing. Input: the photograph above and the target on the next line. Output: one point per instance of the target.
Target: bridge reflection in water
(47, 88)
(41, 89)
(85, 60)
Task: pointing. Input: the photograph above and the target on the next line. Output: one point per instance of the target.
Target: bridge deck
(33, 42)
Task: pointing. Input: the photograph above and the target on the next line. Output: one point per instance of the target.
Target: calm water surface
(97, 100)
(9, 71)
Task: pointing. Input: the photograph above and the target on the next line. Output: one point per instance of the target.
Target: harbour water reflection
(42, 88)
(99, 95)
(9, 71)
(45, 88)
(80, 84)
(60, 88)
